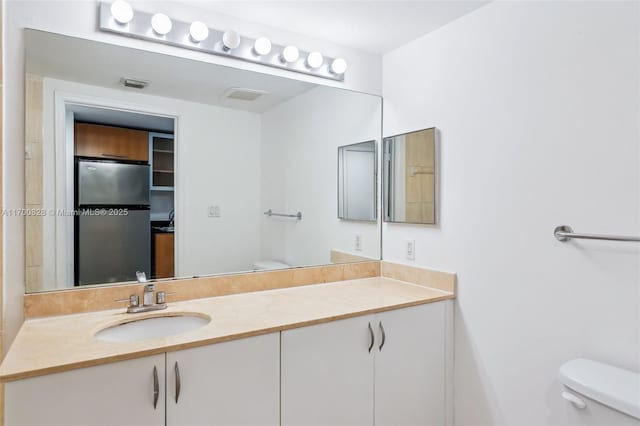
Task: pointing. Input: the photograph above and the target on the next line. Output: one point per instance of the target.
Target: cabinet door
(411, 366)
(327, 374)
(116, 394)
(115, 143)
(227, 384)
(163, 255)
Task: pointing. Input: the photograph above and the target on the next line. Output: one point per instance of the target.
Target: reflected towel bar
(565, 233)
(297, 215)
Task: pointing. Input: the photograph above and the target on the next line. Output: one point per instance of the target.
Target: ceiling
(101, 64)
(372, 26)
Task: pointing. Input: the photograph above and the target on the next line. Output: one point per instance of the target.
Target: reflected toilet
(269, 265)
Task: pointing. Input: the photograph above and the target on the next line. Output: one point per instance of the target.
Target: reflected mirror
(410, 191)
(138, 161)
(357, 175)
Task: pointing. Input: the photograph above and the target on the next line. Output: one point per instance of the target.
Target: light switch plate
(410, 249)
(358, 242)
(214, 211)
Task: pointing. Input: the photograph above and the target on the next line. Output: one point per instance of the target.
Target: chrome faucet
(147, 300)
(147, 295)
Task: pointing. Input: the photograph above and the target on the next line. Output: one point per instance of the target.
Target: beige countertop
(55, 344)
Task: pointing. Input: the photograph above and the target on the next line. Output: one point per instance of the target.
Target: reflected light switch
(214, 211)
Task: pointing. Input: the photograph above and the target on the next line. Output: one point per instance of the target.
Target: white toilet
(269, 265)
(601, 394)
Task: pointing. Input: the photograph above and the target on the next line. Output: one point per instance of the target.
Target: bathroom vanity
(348, 352)
(256, 185)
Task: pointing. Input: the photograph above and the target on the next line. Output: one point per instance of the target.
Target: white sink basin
(152, 327)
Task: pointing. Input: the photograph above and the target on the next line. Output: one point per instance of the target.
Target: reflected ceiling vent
(243, 94)
(133, 83)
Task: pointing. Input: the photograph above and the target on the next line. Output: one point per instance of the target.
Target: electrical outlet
(358, 242)
(410, 249)
(214, 211)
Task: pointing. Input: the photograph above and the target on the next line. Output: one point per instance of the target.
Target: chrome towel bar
(270, 213)
(565, 233)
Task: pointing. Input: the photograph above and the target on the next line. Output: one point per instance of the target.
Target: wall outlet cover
(410, 249)
(358, 242)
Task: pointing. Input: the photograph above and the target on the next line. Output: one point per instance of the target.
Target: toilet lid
(609, 385)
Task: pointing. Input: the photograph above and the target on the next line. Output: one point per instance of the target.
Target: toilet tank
(268, 265)
(600, 394)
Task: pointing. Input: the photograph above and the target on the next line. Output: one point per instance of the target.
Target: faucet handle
(133, 300)
(160, 296)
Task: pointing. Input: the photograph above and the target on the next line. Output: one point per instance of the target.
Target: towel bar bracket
(565, 233)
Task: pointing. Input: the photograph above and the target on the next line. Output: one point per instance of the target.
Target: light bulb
(121, 12)
(338, 66)
(198, 31)
(262, 46)
(290, 54)
(230, 40)
(161, 23)
(315, 60)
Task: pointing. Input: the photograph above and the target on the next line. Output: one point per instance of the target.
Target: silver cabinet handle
(177, 371)
(384, 336)
(156, 387)
(371, 337)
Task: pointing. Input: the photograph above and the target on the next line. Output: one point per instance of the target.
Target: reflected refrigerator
(112, 224)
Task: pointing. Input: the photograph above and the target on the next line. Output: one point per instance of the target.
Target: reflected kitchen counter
(56, 344)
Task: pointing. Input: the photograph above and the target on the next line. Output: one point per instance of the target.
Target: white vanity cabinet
(115, 394)
(225, 384)
(236, 383)
(329, 376)
(387, 369)
(413, 366)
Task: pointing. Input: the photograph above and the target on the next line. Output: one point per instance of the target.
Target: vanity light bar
(196, 36)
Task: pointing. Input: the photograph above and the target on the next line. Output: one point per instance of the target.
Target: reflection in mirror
(171, 174)
(357, 181)
(410, 192)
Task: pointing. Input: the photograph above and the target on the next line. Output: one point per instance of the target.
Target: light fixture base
(138, 28)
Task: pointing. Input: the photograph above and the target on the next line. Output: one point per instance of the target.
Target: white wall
(79, 19)
(538, 108)
(300, 140)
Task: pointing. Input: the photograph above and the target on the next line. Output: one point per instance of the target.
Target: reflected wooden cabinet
(114, 143)
(163, 255)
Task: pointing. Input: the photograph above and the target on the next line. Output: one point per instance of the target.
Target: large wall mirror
(138, 161)
(410, 172)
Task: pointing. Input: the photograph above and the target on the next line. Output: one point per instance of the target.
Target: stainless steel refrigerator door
(112, 248)
(105, 184)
